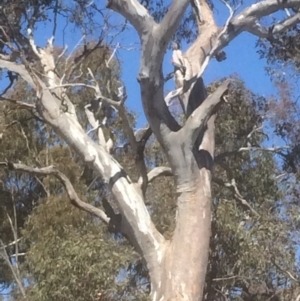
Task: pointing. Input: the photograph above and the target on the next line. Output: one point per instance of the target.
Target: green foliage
(282, 50)
(71, 256)
(249, 253)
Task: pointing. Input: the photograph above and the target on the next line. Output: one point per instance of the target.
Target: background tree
(98, 130)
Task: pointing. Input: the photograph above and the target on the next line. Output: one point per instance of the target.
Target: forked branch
(73, 196)
(198, 119)
(264, 32)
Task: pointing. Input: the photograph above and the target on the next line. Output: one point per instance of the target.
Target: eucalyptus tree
(177, 266)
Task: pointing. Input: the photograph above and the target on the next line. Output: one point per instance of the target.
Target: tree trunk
(184, 264)
(185, 261)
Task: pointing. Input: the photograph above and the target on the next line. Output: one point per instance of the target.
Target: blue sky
(242, 59)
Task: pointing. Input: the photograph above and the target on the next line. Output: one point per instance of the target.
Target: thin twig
(237, 195)
(112, 55)
(73, 196)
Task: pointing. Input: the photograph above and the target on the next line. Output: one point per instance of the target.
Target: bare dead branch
(275, 149)
(44, 188)
(105, 99)
(159, 172)
(62, 53)
(255, 129)
(20, 104)
(281, 177)
(25, 137)
(233, 187)
(32, 43)
(112, 55)
(74, 48)
(19, 254)
(288, 273)
(14, 230)
(51, 170)
(226, 278)
(3, 253)
(266, 149)
(10, 244)
(15, 234)
(5, 257)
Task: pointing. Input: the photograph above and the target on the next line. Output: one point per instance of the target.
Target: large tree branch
(206, 46)
(247, 20)
(171, 21)
(51, 107)
(198, 119)
(266, 8)
(135, 13)
(136, 220)
(137, 146)
(73, 196)
(264, 32)
(17, 68)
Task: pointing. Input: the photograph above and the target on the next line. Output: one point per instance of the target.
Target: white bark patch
(47, 61)
(206, 185)
(170, 275)
(183, 293)
(159, 256)
(162, 298)
(140, 10)
(142, 218)
(154, 296)
(159, 284)
(76, 133)
(114, 168)
(204, 214)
